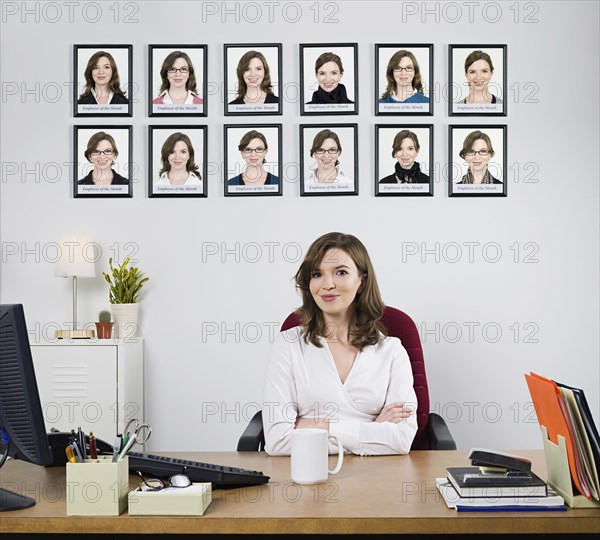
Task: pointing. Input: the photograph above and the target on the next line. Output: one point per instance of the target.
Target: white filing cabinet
(95, 384)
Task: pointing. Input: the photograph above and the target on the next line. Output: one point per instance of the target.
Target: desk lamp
(75, 260)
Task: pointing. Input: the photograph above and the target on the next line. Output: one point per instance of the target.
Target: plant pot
(126, 319)
(104, 330)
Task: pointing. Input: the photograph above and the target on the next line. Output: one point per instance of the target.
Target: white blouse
(303, 381)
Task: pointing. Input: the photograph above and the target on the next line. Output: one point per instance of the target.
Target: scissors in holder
(135, 433)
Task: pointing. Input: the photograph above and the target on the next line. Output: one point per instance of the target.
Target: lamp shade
(77, 256)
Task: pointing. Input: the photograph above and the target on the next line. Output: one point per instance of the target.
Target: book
(494, 485)
(453, 500)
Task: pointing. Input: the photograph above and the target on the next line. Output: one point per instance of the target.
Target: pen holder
(97, 487)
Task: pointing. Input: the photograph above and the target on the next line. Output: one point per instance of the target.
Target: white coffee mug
(310, 451)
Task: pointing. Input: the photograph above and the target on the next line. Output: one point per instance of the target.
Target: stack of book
(500, 482)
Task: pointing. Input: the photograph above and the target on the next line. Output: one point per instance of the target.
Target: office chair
(432, 432)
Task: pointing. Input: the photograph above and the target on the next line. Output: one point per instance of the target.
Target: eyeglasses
(258, 150)
(482, 153)
(408, 69)
(96, 153)
(182, 70)
(155, 484)
(322, 151)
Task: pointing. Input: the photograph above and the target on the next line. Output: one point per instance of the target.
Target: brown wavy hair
(114, 85)
(321, 137)
(168, 63)
(417, 84)
(399, 139)
(95, 140)
(243, 65)
(168, 147)
(470, 141)
(365, 326)
(478, 55)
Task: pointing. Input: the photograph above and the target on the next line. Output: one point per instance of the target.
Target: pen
(77, 453)
(70, 455)
(116, 449)
(81, 440)
(93, 449)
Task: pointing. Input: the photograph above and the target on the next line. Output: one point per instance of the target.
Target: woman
(403, 80)
(178, 162)
(102, 83)
(326, 149)
(339, 371)
(102, 152)
(477, 151)
(405, 149)
(253, 148)
(478, 72)
(329, 72)
(178, 81)
(254, 81)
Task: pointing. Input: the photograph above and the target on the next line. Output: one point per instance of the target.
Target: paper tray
(190, 501)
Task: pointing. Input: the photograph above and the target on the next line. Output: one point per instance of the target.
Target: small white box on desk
(97, 487)
(172, 501)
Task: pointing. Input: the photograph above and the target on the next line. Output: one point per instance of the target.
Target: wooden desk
(375, 495)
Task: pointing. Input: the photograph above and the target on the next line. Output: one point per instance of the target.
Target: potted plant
(104, 327)
(125, 285)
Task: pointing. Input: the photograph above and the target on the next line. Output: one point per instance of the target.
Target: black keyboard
(221, 476)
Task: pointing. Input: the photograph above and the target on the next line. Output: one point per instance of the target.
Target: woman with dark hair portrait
(478, 72)
(254, 81)
(102, 83)
(101, 152)
(477, 150)
(329, 71)
(326, 150)
(178, 86)
(339, 371)
(178, 162)
(403, 77)
(253, 148)
(405, 149)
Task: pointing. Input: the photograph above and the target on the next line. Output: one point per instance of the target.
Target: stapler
(499, 461)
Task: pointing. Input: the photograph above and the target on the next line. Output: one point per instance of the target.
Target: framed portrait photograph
(102, 162)
(477, 80)
(103, 80)
(253, 159)
(328, 78)
(403, 160)
(177, 161)
(404, 77)
(477, 161)
(252, 79)
(328, 159)
(177, 82)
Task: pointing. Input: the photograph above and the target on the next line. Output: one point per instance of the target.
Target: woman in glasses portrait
(326, 150)
(477, 151)
(254, 85)
(178, 159)
(479, 70)
(253, 148)
(407, 170)
(178, 86)
(329, 71)
(404, 84)
(102, 83)
(101, 152)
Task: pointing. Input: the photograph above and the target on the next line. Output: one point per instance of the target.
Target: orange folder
(551, 413)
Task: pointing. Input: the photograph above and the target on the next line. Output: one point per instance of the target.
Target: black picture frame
(198, 55)
(158, 137)
(87, 105)
(496, 165)
(458, 87)
(423, 59)
(233, 165)
(386, 184)
(343, 184)
(309, 54)
(82, 168)
(232, 55)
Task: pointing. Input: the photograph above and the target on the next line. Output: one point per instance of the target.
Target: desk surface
(376, 495)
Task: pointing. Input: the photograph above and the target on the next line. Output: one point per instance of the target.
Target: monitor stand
(13, 501)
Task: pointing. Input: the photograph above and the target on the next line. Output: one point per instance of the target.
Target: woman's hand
(395, 413)
(309, 422)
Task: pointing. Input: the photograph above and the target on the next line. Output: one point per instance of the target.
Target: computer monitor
(21, 417)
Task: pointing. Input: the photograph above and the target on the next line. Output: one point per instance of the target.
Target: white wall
(553, 221)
